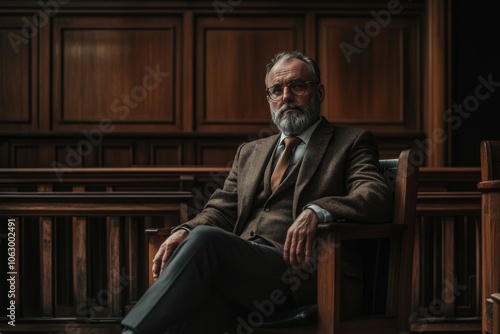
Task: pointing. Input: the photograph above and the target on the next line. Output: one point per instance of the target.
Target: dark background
(475, 52)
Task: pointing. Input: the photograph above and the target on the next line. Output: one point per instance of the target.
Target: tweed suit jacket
(339, 172)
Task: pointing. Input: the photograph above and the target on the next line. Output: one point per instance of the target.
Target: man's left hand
(300, 238)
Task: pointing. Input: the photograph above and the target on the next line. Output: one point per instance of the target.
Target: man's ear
(321, 92)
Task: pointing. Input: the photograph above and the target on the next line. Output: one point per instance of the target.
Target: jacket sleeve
(367, 196)
(222, 207)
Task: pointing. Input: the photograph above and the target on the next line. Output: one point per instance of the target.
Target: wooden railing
(447, 289)
(100, 216)
(79, 245)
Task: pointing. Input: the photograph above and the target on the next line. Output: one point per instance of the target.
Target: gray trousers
(215, 282)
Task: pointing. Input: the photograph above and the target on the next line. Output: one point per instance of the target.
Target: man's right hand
(166, 250)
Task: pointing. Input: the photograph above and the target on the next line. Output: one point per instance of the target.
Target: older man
(248, 249)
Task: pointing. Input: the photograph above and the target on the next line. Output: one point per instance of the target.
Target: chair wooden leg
(329, 283)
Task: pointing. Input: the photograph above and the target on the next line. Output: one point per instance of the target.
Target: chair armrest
(158, 231)
(359, 231)
(492, 185)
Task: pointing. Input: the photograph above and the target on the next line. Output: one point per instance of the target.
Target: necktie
(284, 161)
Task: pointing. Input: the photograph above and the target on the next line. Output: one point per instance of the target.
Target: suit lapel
(313, 155)
(255, 172)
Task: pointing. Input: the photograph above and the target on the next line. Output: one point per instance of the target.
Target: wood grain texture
(90, 64)
(490, 189)
(18, 75)
(375, 85)
(230, 62)
(118, 69)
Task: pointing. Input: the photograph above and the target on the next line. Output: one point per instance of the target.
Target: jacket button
(252, 233)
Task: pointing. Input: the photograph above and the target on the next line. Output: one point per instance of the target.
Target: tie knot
(292, 141)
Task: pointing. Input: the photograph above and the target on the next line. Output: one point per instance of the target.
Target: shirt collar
(305, 136)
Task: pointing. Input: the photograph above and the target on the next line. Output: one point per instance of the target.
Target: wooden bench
(80, 239)
(448, 219)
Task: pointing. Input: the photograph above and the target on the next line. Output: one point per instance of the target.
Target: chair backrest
(490, 235)
(402, 176)
(401, 261)
(405, 201)
(381, 265)
(389, 168)
(490, 160)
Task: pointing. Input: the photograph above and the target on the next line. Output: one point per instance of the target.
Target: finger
(308, 241)
(156, 265)
(308, 251)
(165, 258)
(293, 249)
(301, 251)
(286, 247)
(156, 273)
(155, 270)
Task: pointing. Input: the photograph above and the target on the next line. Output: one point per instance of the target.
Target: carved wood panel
(26, 155)
(230, 59)
(194, 70)
(116, 74)
(370, 71)
(166, 155)
(18, 75)
(217, 154)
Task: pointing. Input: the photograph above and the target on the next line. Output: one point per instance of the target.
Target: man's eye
(277, 90)
(298, 85)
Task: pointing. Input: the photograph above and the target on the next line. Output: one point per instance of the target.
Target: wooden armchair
(490, 234)
(393, 284)
(402, 174)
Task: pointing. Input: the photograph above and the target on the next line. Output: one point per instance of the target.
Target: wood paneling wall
(446, 290)
(122, 83)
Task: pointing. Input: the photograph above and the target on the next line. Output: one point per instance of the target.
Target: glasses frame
(307, 83)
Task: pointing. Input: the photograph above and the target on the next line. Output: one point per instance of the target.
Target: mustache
(287, 106)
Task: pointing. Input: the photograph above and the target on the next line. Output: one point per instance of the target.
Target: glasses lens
(298, 87)
(275, 92)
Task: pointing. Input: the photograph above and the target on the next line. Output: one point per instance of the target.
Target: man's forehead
(288, 68)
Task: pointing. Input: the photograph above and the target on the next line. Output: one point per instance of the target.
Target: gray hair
(286, 55)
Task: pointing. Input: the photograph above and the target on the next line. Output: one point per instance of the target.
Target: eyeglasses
(297, 87)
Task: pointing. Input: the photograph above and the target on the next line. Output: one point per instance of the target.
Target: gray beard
(295, 122)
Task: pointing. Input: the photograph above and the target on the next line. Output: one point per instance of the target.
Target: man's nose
(287, 94)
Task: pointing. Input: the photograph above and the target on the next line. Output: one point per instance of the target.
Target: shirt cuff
(323, 215)
(180, 228)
